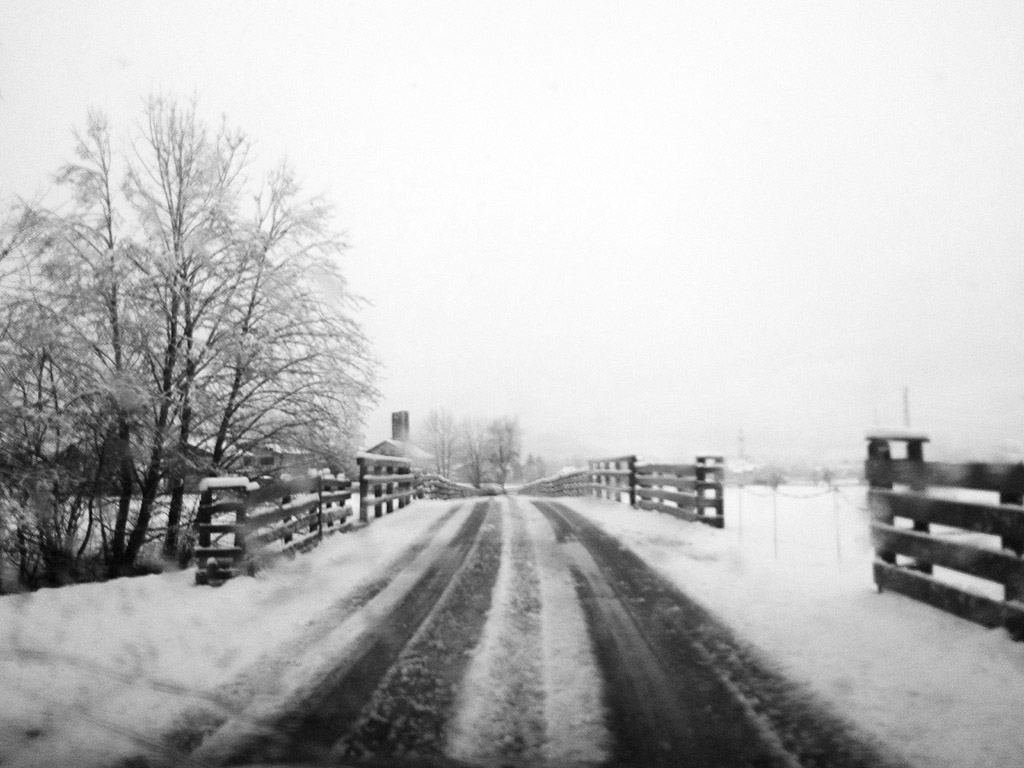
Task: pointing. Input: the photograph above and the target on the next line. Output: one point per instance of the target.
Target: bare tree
(473, 450)
(504, 446)
(163, 326)
(441, 436)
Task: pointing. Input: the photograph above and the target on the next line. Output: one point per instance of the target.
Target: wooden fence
(239, 523)
(692, 492)
(610, 478)
(567, 484)
(908, 548)
(433, 486)
(384, 481)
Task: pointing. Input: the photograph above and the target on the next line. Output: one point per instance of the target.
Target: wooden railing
(567, 484)
(693, 492)
(241, 524)
(384, 481)
(432, 486)
(907, 554)
(610, 478)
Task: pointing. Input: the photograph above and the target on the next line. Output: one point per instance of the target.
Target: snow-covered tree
(168, 316)
(441, 438)
(504, 447)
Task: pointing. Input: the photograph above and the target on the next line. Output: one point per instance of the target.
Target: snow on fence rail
(906, 555)
(565, 484)
(434, 486)
(383, 482)
(281, 517)
(692, 492)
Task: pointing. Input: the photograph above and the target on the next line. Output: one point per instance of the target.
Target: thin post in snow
(775, 519)
(835, 516)
(739, 511)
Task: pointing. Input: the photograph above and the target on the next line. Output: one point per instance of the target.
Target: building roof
(392, 447)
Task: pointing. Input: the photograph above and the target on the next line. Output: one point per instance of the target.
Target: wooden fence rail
(908, 548)
(610, 478)
(433, 486)
(567, 484)
(240, 524)
(692, 492)
(384, 481)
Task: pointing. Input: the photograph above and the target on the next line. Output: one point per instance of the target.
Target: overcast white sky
(640, 226)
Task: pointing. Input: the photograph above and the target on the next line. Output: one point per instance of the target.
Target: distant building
(401, 447)
(274, 460)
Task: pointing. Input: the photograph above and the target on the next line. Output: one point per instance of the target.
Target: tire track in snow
(326, 694)
(701, 659)
(266, 675)
(500, 717)
(409, 711)
(574, 711)
(668, 706)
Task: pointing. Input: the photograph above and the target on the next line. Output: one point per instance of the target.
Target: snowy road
(519, 633)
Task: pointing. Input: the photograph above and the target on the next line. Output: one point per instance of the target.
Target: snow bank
(941, 691)
(95, 671)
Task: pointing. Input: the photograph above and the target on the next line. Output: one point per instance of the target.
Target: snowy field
(93, 672)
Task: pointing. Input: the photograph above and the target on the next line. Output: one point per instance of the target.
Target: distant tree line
(477, 451)
(173, 311)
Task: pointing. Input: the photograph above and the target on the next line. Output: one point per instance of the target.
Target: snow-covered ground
(942, 691)
(87, 673)
(95, 670)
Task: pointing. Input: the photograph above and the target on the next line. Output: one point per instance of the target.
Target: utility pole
(906, 406)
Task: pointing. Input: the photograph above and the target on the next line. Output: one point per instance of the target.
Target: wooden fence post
(320, 507)
(915, 453)
(710, 477)
(389, 488)
(631, 465)
(1014, 589)
(364, 488)
(878, 469)
(204, 517)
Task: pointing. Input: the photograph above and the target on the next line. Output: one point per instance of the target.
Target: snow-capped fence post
(389, 489)
(632, 480)
(879, 475)
(911, 502)
(364, 490)
(297, 513)
(383, 481)
(215, 564)
(710, 487)
(319, 508)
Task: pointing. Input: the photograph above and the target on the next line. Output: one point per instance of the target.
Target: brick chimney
(400, 426)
